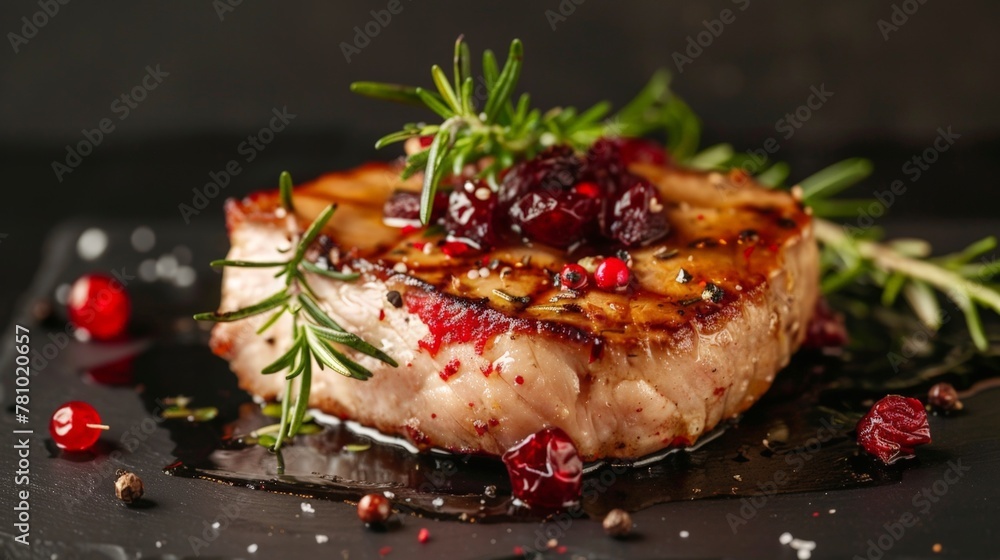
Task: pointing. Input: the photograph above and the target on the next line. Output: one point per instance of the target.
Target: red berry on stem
(76, 426)
(612, 274)
(545, 470)
(893, 427)
(573, 276)
(99, 304)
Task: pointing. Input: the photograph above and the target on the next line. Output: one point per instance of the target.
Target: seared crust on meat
(490, 350)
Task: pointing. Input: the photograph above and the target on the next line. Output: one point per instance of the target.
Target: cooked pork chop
(490, 350)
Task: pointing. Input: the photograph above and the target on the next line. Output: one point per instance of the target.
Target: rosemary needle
(314, 327)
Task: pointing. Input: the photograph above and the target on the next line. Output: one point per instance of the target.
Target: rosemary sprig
(314, 330)
(897, 268)
(851, 256)
(503, 131)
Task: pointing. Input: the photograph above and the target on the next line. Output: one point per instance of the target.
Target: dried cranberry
(893, 427)
(826, 328)
(470, 215)
(554, 170)
(641, 150)
(554, 219)
(545, 470)
(636, 217)
(604, 162)
(403, 208)
(612, 274)
(573, 276)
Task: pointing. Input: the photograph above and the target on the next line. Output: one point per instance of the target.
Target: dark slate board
(75, 515)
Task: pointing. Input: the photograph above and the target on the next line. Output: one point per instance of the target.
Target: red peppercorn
(573, 276)
(545, 470)
(588, 189)
(423, 536)
(374, 508)
(612, 274)
(893, 427)
(455, 248)
(75, 426)
(99, 304)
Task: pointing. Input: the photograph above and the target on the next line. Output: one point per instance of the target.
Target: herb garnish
(314, 330)
(851, 256)
(505, 132)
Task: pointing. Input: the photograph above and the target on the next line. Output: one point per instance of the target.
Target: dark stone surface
(74, 513)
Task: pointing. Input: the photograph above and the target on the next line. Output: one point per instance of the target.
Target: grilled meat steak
(491, 349)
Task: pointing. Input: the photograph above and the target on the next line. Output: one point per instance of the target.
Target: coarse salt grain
(801, 544)
(307, 508)
(320, 539)
(685, 534)
(252, 548)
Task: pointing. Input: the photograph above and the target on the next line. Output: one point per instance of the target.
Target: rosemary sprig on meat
(315, 332)
(502, 132)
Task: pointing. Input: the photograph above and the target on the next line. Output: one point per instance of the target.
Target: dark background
(938, 69)
(226, 75)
